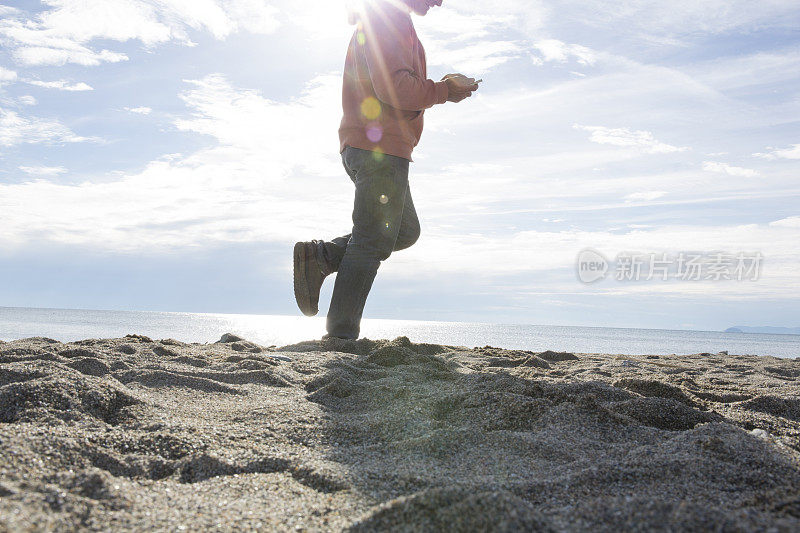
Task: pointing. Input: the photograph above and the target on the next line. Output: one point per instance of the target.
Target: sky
(167, 154)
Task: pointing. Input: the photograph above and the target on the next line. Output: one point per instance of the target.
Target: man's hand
(459, 87)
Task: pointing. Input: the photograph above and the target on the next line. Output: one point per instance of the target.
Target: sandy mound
(369, 435)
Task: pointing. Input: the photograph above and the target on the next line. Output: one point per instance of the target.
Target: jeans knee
(384, 250)
(407, 239)
(370, 250)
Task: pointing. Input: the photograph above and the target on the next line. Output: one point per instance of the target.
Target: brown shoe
(308, 277)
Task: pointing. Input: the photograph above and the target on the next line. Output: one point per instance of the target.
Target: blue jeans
(384, 220)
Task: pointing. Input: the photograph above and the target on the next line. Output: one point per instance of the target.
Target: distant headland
(764, 329)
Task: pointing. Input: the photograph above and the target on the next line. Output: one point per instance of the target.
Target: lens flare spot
(374, 133)
(371, 108)
(378, 155)
(387, 225)
(361, 38)
(383, 199)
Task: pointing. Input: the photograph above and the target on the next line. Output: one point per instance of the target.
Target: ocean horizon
(69, 325)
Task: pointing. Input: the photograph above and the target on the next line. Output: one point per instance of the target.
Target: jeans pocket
(355, 158)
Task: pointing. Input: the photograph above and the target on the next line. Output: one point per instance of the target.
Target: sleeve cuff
(442, 92)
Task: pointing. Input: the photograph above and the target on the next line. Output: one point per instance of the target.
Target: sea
(68, 325)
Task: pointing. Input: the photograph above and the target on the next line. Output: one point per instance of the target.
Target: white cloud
(27, 100)
(503, 191)
(43, 171)
(474, 59)
(679, 18)
(787, 153)
(16, 129)
(254, 16)
(645, 196)
(724, 168)
(64, 33)
(70, 52)
(738, 72)
(561, 52)
(7, 75)
(650, 22)
(316, 19)
(459, 26)
(531, 252)
(245, 120)
(61, 85)
(139, 110)
(272, 161)
(468, 38)
(528, 16)
(789, 222)
(643, 140)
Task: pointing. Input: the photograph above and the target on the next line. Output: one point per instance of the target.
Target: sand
(136, 434)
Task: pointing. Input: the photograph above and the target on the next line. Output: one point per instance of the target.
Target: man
(384, 96)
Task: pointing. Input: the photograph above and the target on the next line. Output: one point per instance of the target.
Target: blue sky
(166, 155)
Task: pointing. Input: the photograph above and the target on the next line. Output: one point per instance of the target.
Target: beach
(139, 434)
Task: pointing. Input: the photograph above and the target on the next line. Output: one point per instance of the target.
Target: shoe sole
(301, 292)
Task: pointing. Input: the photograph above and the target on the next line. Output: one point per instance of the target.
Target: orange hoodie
(385, 89)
